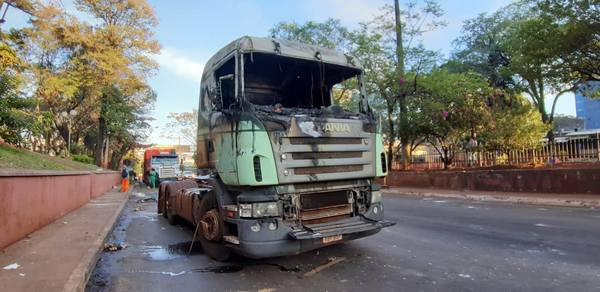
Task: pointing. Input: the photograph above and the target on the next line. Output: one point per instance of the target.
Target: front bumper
(288, 241)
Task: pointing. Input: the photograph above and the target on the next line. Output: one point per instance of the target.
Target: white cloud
(179, 64)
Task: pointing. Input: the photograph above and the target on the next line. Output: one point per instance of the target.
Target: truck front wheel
(211, 228)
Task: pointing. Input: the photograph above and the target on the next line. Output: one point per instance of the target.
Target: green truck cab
(289, 150)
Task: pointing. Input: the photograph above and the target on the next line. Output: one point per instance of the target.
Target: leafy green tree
(72, 64)
(330, 33)
(479, 48)
(14, 119)
(543, 48)
(539, 69)
(453, 110)
(578, 23)
(125, 123)
(514, 125)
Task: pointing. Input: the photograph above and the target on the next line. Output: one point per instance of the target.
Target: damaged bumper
(287, 241)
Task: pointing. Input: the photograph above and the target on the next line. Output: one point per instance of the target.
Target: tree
(182, 125)
(579, 29)
(454, 110)
(514, 125)
(73, 64)
(392, 70)
(125, 122)
(120, 46)
(539, 69)
(542, 48)
(329, 34)
(479, 48)
(16, 119)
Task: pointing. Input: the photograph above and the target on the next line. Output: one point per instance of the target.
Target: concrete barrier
(558, 180)
(30, 200)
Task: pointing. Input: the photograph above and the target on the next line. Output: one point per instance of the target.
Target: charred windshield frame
(313, 92)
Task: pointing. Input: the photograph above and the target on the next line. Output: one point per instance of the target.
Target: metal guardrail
(575, 149)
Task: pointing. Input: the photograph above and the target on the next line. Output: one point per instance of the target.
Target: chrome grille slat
(326, 148)
(326, 162)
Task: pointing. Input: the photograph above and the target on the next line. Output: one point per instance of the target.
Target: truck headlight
(245, 210)
(258, 210)
(375, 197)
(269, 209)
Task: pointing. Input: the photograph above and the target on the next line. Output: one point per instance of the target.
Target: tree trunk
(446, 158)
(99, 151)
(392, 135)
(404, 140)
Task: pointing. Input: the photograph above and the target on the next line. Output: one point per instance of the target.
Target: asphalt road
(437, 245)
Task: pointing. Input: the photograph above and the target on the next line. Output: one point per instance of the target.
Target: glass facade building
(588, 109)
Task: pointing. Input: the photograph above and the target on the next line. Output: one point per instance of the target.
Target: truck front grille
(322, 158)
(167, 172)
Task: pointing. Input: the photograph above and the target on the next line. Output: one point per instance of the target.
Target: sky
(190, 31)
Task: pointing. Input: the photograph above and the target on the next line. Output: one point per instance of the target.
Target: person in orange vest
(124, 180)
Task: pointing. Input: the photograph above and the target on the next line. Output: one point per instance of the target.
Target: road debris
(114, 246)
(12, 266)
(146, 200)
(138, 208)
(332, 261)
(21, 274)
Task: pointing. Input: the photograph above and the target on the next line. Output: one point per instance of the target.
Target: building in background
(588, 109)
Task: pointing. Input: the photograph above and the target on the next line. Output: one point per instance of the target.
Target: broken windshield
(281, 82)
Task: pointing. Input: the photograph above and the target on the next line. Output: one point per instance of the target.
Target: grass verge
(16, 158)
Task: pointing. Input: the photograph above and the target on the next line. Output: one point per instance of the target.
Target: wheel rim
(211, 225)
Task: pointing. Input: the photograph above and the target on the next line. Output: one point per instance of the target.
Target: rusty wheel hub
(211, 225)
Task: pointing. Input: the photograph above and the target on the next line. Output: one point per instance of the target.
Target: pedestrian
(124, 180)
(153, 178)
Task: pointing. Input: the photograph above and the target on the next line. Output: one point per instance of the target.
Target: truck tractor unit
(164, 160)
(289, 149)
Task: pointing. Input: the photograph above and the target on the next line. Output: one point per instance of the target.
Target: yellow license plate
(330, 239)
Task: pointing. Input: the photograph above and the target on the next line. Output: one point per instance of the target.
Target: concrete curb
(502, 197)
(79, 277)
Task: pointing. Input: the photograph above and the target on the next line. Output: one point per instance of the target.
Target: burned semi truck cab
(290, 150)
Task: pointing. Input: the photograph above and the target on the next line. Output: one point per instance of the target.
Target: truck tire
(212, 239)
(161, 207)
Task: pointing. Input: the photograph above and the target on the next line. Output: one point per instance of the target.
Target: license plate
(330, 239)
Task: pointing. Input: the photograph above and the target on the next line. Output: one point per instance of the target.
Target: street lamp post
(69, 116)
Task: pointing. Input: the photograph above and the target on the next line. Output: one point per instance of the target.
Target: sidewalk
(570, 200)
(60, 256)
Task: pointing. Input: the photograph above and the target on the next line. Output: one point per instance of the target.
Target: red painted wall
(564, 181)
(31, 200)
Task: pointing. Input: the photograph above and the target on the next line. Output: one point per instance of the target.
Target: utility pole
(403, 125)
(399, 46)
